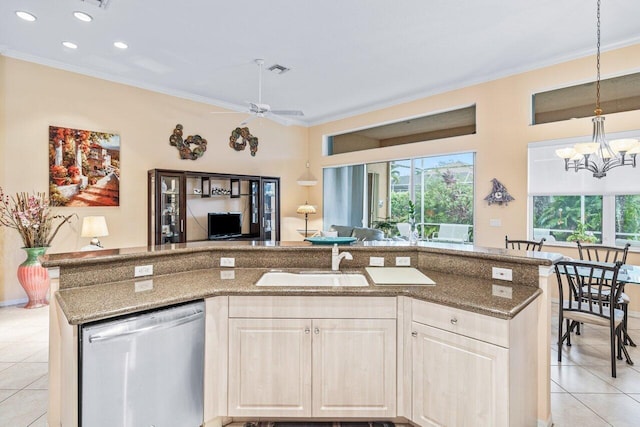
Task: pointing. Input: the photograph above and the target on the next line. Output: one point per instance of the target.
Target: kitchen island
(101, 285)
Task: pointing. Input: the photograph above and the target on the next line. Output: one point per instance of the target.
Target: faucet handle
(334, 249)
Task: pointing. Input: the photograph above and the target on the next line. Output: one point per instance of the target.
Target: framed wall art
(84, 167)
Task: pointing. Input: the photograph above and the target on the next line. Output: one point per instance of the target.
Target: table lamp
(94, 227)
(306, 209)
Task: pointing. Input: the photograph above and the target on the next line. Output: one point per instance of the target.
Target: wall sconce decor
(307, 179)
(499, 194)
(184, 146)
(245, 137)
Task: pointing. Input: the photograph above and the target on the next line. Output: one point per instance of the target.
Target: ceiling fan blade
(248, 120)
(288, 112)
(278, 119)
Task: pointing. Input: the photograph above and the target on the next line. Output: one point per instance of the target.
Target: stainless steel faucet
(336, 257)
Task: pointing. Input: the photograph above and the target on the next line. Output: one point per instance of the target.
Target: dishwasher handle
(170, 324)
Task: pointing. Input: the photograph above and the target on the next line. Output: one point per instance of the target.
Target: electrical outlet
(502, 273)
(403, 261)
(227, 274)
(143, 285)
(502, 291)
(227, 262)
(143, 270)
(376, 261)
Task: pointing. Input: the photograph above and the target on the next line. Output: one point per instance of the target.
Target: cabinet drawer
(304, 307)
(467, 323)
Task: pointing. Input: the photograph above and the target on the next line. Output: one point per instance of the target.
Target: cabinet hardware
(414, 334)
(454, 321)
(307, 330)
(316, 331)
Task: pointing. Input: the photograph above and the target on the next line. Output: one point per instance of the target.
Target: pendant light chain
(598, 110)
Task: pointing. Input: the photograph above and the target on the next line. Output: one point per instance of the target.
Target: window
(566, 206)
(441, 188)
(617, 94)
(627, 209)
(556, 218)
(447, 124)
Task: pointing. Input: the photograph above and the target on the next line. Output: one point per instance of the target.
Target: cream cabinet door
(354, 368)
(458, 381)
(270, 367)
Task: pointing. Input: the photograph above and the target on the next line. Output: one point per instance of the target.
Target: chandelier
(599, 156)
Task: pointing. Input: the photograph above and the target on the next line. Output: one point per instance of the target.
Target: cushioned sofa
(360, 233)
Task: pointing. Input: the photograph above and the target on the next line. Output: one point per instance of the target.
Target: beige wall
(503, 132)
(32, 97)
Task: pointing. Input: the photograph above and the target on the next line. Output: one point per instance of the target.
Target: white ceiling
(346, 56)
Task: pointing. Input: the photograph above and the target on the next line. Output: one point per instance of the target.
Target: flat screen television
(223, 225)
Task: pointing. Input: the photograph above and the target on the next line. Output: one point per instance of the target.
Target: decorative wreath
(184, 146)
(245, 137)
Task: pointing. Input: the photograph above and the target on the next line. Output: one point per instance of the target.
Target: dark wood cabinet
(179, 203)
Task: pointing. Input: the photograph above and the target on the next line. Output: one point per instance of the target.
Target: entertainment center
(186, 206)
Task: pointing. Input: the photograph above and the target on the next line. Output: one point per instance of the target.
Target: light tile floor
(24, 353)
(583, 393)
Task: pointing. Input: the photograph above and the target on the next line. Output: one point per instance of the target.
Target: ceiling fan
(259, 109)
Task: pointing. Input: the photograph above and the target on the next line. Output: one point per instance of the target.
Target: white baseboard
(11, 302)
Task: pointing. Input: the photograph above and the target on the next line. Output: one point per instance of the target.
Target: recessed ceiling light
(121, 45)
(83, 16)
(25, 15)
(70, 45)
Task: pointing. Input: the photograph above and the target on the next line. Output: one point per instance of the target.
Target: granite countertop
(90, 303)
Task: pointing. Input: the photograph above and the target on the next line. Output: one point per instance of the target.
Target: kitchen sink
(281, 278)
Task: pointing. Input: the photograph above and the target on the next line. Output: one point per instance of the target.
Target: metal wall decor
(239, 139)
(499, 194)
(184, 146)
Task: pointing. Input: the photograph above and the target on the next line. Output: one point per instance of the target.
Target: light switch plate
(376, 261)
(495, 222)
(227, 262)
(143, 270)
(502, 273)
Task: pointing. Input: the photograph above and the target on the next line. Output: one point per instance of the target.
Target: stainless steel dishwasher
(144, 370)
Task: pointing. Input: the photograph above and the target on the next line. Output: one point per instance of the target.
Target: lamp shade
(94, 226)
(306, 209)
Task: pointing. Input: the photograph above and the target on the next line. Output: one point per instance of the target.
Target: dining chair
(525, 245)
(588, 292)
(601, 253)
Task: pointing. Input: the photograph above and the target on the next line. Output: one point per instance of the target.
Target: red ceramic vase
(34, 278)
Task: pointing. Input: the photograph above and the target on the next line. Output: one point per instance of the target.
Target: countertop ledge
(141, 253)
(92, 303)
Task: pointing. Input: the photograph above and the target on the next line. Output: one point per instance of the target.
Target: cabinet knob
(307, 330)
(316, 331)
(454, 321)
(414, 334)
